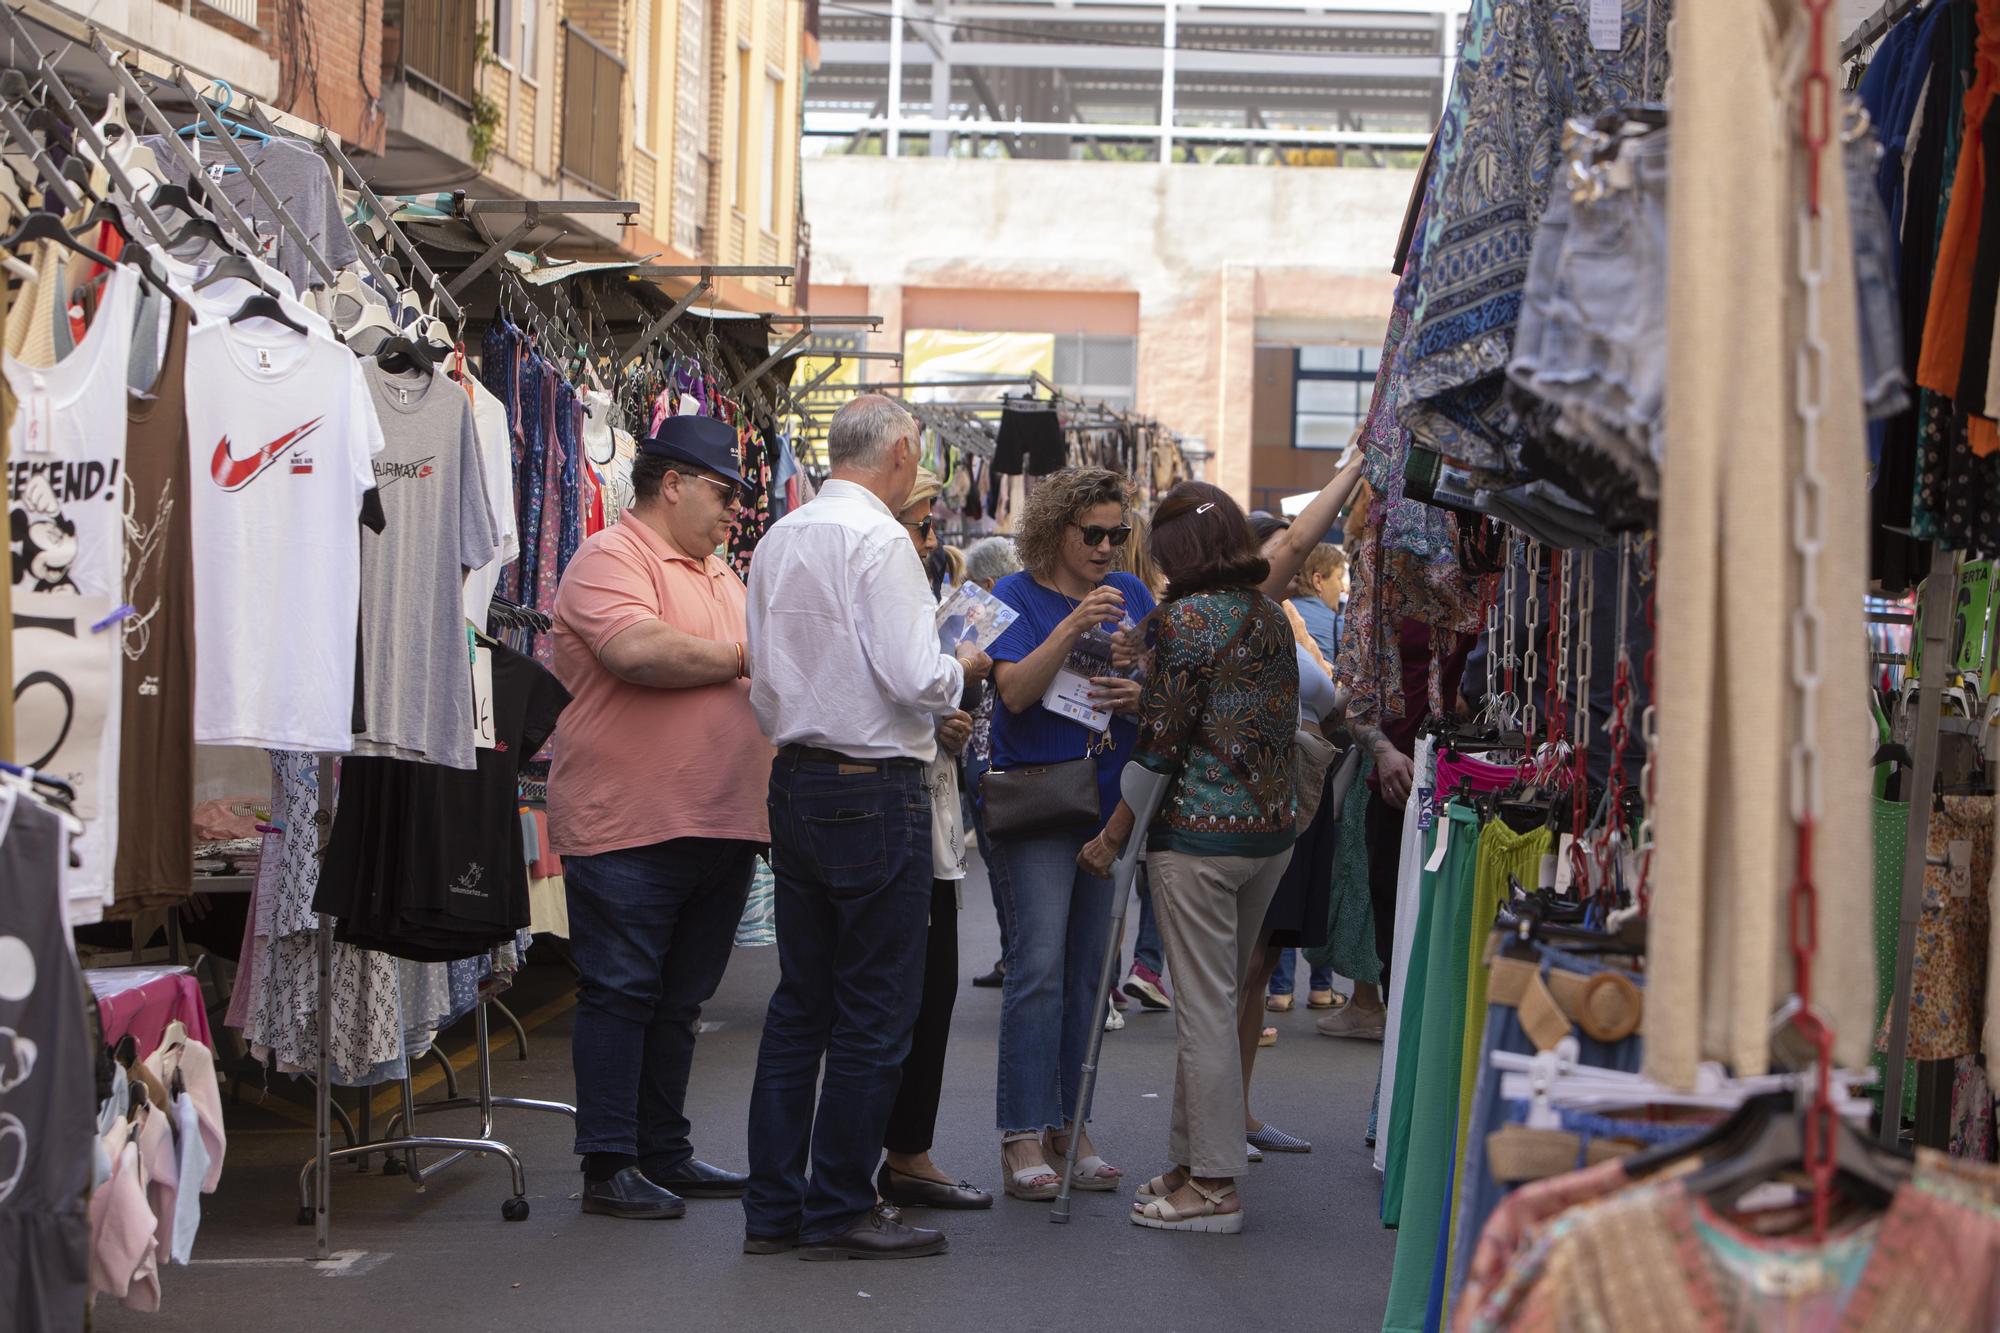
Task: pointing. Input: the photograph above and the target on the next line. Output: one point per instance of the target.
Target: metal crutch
(1143, 790)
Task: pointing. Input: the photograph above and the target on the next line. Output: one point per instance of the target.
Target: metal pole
(940, 45)
(1939, 591)
(894, 138)
(1142, 790)
(1169, 46)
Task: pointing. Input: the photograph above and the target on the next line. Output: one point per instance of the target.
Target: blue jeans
(1146, 950)
(1059, 917)
(851, 856)
(975, 770)
(650, 929)
(1321, 978)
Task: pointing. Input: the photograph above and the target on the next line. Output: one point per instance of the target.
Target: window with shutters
(593, 104)
(642, 74)
(774, 101)
(690, 125)
(1097, 368)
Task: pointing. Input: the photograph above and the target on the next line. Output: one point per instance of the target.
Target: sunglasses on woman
(1094, 535)
(922, 526)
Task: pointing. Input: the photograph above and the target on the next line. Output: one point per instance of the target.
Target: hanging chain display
(1586, 608)
(1530, 664)
(1563, 576)
(1510, 661)
(1808, 625)
(1610, 840)
(1649, 724)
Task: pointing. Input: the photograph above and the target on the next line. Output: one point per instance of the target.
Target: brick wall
(329, 55)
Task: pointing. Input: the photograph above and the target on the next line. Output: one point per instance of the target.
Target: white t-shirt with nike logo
(282, 431)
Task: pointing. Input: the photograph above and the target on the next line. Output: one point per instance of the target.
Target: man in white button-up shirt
(848, 681)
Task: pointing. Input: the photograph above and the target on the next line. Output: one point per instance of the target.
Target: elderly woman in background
(1060, 740)
(908, 1177)
(1218, 718)
(987, 561)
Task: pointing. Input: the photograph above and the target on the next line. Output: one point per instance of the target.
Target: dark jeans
(650, 929)
(851, 854)
(975, 770)
(1384, 830)
(1146, 948)
(913, 1119)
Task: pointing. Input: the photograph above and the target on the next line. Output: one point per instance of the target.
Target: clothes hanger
(263, 305)
(401, 353)
(49, 227)
(233, 266)
(1771, 1145)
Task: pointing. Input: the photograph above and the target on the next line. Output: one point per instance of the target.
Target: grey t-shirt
(300, 179)
(415, 676)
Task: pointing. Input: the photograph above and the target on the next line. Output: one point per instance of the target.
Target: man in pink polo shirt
(657, 807)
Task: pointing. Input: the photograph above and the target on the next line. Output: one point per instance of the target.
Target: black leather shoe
(696, 1179)
(630, 1194)
(769, 1244)
(992, 980)
(876, 1237)
(916, 1192)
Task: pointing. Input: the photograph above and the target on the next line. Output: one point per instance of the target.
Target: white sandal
(1156, 1188)
(1161, 1215)
(1019, 1184)
(1092, 1172)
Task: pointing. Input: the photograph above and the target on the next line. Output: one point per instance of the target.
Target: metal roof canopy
(1260, 72)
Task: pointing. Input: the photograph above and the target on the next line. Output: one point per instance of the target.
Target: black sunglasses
(923, 526)
(1094, 535)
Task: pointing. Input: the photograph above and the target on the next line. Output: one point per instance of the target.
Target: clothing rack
(315, 1176)
(1874, 27)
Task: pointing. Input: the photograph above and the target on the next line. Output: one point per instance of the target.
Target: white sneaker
(1256, 1153)
(1113, 1020)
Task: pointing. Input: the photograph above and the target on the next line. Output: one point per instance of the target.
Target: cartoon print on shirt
(41, 537)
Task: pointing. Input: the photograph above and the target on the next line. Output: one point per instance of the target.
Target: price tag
(1565, 866)
(1547, 879)
(1607, 24)
(1959, 863)
(37, 419)
(482, 698)
(1436, 862)
(1426, 809)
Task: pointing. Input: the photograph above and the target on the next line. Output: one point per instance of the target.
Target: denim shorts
(1596, 297)
(1885, 386)
(1478, 1193)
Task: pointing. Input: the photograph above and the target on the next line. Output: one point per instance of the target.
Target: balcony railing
(439, 41)
(593, 103)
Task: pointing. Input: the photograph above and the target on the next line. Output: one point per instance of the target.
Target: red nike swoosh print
(233, 474)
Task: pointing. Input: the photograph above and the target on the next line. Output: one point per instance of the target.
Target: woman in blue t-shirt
(1067, 648)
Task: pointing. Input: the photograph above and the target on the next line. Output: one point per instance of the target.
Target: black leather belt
(813, 754)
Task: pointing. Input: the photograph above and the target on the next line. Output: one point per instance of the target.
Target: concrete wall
(1213, 255)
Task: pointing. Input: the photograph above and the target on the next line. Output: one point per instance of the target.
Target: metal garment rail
(1875, 27)
(316, 1176)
